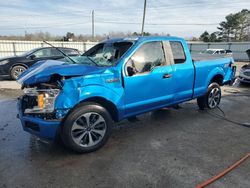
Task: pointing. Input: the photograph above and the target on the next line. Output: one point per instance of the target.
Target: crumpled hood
(43, 70)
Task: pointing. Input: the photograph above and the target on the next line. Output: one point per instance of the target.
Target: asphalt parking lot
(165, 148)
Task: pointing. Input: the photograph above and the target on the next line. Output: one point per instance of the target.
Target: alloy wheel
(88, 129)
(214, 98)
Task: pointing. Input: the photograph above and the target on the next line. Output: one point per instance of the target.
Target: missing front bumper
(37, 126)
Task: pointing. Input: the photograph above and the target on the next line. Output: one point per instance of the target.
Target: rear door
(148, 79)
(183, 72)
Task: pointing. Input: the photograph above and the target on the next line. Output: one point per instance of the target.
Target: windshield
(103, 54)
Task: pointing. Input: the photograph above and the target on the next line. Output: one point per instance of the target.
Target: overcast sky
(60, 16)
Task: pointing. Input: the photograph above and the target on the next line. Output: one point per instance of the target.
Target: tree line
(235, 28)
(69, 36)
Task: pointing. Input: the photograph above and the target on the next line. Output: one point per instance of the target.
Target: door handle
(166, 76)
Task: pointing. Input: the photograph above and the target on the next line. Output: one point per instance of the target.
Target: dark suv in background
(14, 66)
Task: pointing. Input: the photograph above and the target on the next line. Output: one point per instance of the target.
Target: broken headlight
(45, 100)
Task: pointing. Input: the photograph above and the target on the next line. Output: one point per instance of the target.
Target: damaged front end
(36, 110)
(44, 84)
(40, 101)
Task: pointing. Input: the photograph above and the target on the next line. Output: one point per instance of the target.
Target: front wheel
(212, 98)
(86, 128)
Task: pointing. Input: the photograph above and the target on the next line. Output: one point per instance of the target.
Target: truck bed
(203, 57)
(205, 69)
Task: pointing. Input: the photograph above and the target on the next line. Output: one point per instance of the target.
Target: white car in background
(217, 51)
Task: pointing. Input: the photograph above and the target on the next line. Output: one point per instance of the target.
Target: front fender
(100, 91)
(71, 96)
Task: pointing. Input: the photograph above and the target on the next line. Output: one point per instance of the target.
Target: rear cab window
(178, 52)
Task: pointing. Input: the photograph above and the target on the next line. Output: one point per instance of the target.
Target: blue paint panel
(206, 70)
(42, 71)
(45, 128)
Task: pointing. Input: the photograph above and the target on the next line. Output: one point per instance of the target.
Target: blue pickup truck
(117, 79)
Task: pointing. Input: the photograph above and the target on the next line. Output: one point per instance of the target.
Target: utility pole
(143, 19)
(93, 24)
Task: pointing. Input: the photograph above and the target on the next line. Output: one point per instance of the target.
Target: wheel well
(218, 79)
(109, 106)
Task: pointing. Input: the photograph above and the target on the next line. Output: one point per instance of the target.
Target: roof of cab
(140, 38)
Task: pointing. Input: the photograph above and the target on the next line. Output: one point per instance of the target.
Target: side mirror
(32, 56)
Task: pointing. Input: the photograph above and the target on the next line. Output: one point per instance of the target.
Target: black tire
(78, 117)
(16, 71)
(205, 101)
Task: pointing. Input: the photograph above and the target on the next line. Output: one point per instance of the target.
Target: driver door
(148, 79)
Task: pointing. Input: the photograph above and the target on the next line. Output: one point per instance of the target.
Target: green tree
(243, 23)
(69, 36)
(146, 34)
(235, 27)
(226, 28)
(205, 37)
(213, 37)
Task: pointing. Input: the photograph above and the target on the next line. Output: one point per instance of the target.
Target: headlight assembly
(4, 62)
(45, 100)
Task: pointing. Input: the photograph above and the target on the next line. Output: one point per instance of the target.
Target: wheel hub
(88, 129)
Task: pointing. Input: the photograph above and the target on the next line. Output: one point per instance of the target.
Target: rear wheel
(212, 98)
(87, 128)
(17, 71)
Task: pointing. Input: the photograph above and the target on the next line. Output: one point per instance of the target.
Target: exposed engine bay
(38, 100)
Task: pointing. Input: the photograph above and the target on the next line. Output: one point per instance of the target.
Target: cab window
(147, 57)
(178, 52)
